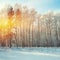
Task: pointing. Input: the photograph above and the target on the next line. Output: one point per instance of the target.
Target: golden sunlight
(5, 26)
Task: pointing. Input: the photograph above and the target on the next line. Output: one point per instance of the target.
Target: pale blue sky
(41, 6)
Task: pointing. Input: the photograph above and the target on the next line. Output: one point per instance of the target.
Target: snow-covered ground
(30, 53)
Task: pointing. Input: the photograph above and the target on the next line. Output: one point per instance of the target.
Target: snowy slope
(30, 53)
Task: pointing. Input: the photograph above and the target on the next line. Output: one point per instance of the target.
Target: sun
(5, 26)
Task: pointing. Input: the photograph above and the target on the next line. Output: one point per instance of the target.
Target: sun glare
(5, 26)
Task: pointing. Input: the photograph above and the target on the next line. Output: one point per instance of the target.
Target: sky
(41, 6)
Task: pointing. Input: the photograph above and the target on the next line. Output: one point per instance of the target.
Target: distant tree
(18, 15)
(33, 18)
(10, 18)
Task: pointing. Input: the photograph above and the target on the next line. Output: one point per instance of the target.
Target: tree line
(28, 28)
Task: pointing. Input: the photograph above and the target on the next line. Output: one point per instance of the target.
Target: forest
(24, 27)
